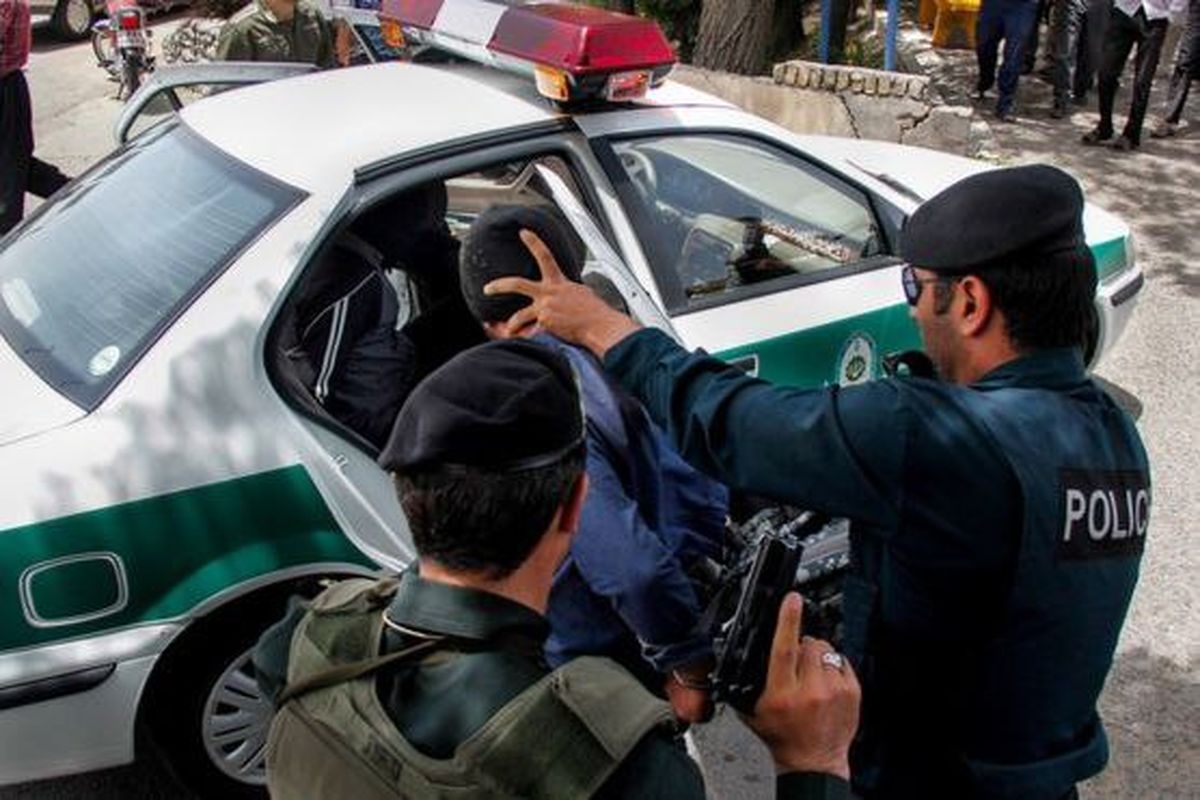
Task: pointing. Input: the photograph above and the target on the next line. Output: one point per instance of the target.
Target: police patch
(1105, 514)
(856, 362)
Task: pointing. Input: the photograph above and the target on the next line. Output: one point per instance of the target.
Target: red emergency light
(575, 52)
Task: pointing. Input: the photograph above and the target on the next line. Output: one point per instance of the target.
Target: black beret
(500, 407)
(494, 249)
(985, 218)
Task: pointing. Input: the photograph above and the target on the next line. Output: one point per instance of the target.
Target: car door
(545, 169)
(764, 257)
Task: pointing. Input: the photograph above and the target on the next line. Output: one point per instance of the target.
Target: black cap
(994, 215)
(494, 249)
(504, 406)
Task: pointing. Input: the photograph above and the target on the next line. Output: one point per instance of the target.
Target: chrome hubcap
(237, 716)
(79, 15)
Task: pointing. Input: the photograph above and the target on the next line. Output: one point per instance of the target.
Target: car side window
(381, 306)
(726, 217)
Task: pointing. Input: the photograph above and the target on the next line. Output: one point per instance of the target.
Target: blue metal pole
(893, 30)
(826, 26)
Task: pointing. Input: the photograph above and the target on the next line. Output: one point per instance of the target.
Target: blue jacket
(996, 538)
(623, 590)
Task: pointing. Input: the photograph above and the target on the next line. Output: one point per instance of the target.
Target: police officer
(433, 684)
(277, 30)
(999, 514)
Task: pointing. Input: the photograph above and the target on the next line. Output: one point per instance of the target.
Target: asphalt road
(1152, 701)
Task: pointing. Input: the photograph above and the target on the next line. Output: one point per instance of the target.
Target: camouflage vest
(560, 738)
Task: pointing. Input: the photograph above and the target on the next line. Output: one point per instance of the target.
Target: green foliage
(680, 20)
(861, 50)
(864, 52)
(223, 9)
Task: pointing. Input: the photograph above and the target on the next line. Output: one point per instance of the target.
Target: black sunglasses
(913, 285)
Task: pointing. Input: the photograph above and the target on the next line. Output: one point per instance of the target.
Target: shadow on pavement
(45, 40)
(1149, 704)
(135, 782)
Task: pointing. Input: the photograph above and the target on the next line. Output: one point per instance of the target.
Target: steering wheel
(703, 261)
(640, 170)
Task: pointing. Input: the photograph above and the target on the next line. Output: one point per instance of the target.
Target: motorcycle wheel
(104, 51)
(131, 75)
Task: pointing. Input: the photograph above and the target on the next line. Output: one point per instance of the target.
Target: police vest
(560, 738)
(1085, 493)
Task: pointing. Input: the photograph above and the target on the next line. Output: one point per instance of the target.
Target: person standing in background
(19, 170)
(1008, 21)
(1068, 62)
(1187, 69)
(1140, 22)
(277, 30)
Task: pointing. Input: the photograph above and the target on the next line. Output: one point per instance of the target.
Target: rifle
(769, 561)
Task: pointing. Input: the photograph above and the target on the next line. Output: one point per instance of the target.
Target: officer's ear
(974, 312)
(572, 507)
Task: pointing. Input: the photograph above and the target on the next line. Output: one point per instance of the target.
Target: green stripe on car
(1111, 257)
(813, 356)
(176, 550)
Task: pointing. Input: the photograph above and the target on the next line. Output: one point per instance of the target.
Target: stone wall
(846, 101)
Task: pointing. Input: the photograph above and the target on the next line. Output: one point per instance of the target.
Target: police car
(170, 476)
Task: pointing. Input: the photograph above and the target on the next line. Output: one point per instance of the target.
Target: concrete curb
(925, 105)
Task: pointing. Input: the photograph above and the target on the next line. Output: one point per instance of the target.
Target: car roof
(313, 131)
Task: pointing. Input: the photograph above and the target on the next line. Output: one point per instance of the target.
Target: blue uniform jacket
(623, 590)
(997, 531)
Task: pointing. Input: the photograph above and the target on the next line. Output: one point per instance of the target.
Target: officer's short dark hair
(485, 522)
(1045, 305)
(484, 451)
(493, 249)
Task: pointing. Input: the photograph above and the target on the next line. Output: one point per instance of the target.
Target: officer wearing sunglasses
(999, 511)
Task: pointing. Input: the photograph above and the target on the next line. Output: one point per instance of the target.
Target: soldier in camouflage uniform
(277, 30)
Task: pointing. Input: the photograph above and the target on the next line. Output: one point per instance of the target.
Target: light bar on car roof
(574, 52)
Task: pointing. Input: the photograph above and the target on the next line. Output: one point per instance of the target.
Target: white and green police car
(168, 480)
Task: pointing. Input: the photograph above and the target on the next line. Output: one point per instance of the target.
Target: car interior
(724, 213)
(412, 240)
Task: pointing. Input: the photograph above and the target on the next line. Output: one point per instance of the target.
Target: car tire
(72, 19)
(188, 720)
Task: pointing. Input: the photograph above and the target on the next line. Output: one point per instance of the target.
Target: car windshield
(90, 281)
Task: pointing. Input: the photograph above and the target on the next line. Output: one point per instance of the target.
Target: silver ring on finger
(833, 661)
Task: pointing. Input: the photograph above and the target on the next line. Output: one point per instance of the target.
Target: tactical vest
(560, 738)
(1045, 662)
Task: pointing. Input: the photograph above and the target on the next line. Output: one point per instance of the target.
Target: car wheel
(72, 18)
(204, 716)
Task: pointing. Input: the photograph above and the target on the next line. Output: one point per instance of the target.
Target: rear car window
(88, 284)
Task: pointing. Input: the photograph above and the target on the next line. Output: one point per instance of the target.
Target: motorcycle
(122, 45)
